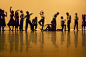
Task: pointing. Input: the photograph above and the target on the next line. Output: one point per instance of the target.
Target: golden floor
(42, 44)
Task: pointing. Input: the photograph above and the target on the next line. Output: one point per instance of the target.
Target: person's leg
(17, 28)
(77, 26)
(35, 27)
(31, 25)
(62, 27)
(26, 25)
(40, 22)
(65, 27)
(82, 27)
(12, 28)
(68, 25)
(0, 28)
(74, 25)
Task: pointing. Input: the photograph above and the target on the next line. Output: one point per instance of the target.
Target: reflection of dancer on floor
(41, 22)
(3, 24)
(11, 22)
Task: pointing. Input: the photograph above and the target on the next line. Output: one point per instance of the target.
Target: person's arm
(10, 9)
(17, 10)
(31, 14)
(25, 16)
(41, 12)
(6, 14)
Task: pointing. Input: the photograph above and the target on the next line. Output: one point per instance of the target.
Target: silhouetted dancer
(62, 23)
(34, 23)
(22, 20)
(54, 20)
(50, 26)
(28, 20)
(11, 22)
(83, 21)
(16, 20)
(76, 21)
(0, 19)
(41, 22)
(68, 20)
(3, 24)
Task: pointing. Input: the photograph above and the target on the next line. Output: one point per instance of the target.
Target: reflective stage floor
(42, 44)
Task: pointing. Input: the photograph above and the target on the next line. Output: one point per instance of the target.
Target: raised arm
(17, 10)
(10, 9)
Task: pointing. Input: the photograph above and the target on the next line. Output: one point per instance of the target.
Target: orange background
(50, 7)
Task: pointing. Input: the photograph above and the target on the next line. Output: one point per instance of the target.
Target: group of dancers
(50, 27)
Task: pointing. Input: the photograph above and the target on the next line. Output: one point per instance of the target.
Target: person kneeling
(62, 23)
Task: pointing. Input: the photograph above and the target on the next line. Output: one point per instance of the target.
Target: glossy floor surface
(42, 44)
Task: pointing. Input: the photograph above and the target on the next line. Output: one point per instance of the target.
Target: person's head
(27, 12)
(16, 13)
(21, 11)
(57, 13)
(85, 15)
(76, 14)
(82, 15)
(35, 18)
(67, 14)
(61, 17)
(2, 11)
(42, 12)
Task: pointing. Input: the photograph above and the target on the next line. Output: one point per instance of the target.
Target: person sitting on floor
(50, 27)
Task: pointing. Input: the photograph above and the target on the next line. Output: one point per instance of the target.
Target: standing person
(0, 19)
(54, 20)
(41, 22)
(76, 21)
(34, 23)
(28, 20)
(16, 20)
(21, 21)
(68, 20)
(3, 24)
(83, 21)
(11, 22)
